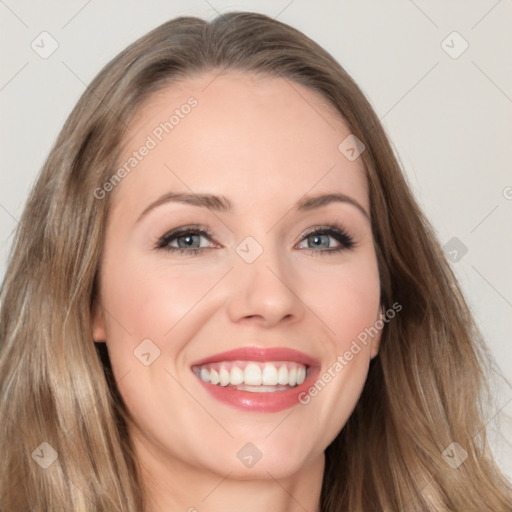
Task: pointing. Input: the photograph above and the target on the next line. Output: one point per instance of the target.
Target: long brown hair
(58, 399)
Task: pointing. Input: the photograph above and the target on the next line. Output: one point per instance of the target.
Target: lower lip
(272, 401)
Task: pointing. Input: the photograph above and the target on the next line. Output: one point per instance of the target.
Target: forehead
(239, 135)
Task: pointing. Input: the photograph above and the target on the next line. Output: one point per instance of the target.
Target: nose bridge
(262, 283)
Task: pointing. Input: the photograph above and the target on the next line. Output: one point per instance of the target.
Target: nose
(263, 292)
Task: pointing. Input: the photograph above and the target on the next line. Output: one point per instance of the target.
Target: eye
(318, 240)
(185, 240)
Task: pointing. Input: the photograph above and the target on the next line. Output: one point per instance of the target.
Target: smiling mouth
(253, 376)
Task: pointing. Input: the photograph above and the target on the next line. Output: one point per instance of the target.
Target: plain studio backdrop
(437, 73)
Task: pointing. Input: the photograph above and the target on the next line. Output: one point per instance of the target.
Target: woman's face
(257, 288)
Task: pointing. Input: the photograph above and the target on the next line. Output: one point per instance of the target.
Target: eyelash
(335, 230)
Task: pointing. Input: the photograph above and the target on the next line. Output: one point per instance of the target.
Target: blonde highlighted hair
(425, 388)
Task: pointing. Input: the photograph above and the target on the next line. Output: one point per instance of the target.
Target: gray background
(447, 112)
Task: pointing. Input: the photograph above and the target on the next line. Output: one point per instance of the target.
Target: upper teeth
(252, 373)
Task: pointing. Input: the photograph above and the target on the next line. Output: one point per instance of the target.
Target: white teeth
(269, 375)
(236, 376)
(252, 375)
(224, 377)
(261, 389)
(292, 376)
(301, 375)
(282, 376)
(214, 377)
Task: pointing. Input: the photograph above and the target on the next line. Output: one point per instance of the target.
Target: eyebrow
(223, 204)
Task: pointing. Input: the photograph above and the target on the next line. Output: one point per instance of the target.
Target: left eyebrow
(310, 203)
(223, 204)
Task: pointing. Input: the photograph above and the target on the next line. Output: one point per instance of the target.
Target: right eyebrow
(210, 201)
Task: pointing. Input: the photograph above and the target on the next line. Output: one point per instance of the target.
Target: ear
(374, 350)
(98, 323)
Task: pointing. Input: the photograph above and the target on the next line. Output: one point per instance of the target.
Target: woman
(223, 295)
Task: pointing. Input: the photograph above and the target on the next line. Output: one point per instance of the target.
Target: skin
(263, 145)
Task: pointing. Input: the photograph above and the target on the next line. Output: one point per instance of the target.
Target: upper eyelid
(322, 227)
(181, 231)
(205, 231)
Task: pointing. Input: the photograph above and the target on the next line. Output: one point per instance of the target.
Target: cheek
(156, 301)
(148, 300)
(346, 299)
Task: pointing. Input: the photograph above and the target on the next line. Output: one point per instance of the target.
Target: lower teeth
(260, 389)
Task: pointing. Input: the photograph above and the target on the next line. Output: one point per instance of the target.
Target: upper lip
(260, 354)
